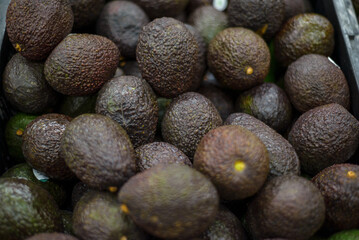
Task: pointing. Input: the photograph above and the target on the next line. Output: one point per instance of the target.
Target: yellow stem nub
(18, 47)
(262, 30)
(113, 189)
(123, 238)
(239, 166)
(249, 70)
(351, 174)
(19, 132)
(125, 209)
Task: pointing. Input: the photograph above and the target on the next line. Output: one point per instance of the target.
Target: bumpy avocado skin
(339, 186)
(313, 80)
(25, 86)
(159, 39)
(98, 216)
(304, 34)
(324, 136)
(26, 209)
(283, 159)
(52, 236)
(74, 106)
(346, 235)
(86, 11)
(238, 58)
(81, 64)
(286, 207)
(35, 27)
(189, 117)
(264, 17)
(98, 150)
(268, 103)
(162, 8)
(192, 198)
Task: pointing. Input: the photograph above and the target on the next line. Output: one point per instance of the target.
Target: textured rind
(86, 11)
(229, 62)
(155, 153)
(256, 14)
(98, 150)
(122, 22)
(81, 64)
(286, 207)
(188, 118)
(304, 34)
(131, 102)
(98, 216)
(217, 154)
(283, 159)
(167, 54)
(26, 209)
(162, 8)
(41, 145)
(171, 201)
(52, 236)
(341, 195)
(313, 80)
(324, 136)
(25, 86)
(268, 103)
(37, 26)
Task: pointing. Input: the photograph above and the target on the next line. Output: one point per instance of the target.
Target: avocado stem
(249, 70)
(351, 174)
(239, 166)
(125, 209)
(19, 132)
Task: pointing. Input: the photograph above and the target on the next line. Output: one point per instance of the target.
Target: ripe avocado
(35, 27)
(52, 236)
(162, 8)
(67, 221)
(324, 136)
(81, 64)
(313, 80)
(346, 235)
(86, 11)
(295, 7)
(190, 196)
(131, 102)
(238, 58)
(286, 207)
(74, 106)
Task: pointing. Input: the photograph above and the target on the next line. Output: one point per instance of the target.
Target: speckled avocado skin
(191, 197)
(161, 38)
(81, 64)
(131, 102)
(324, 136)
(162, 8)
(52, 236)
(35, 27)
(86, 11)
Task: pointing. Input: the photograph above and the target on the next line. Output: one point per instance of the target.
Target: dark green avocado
(52, 236)
(73, 106)
(346, 235)
(162, 8)
(86, 12)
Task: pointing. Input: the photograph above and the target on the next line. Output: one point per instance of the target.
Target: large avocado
(162, 8)
(86, 11)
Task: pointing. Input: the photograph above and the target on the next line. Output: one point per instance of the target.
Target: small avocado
(194, 4)
(286, 207)
(304, 34)
(324, 136)
(131, 68)
(41, 145)
(268, 103)
(168, 76)
(78, 191)
(35, 27)
(81, 64)
(86, 12)
(346, 235)
(263, 17)
(239, 58)
(98, 216)
(295, 7)
(162, 8)
(52, 236)
(313, 80)
(190, 196)
(26, 209)
(189, 117)
(73, 106)
(99, 151)
(25, 86)
(122, 22)
(339, 185)
(67, 221)
(131, 102)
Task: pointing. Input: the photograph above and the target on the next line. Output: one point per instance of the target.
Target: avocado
(86, 12)
(163, 104)
(67, 221)
(189, 117)
(263, 17)
(131, 102)
(155, 153)
(81, 64)
(295, 7)
(99, 151)
(26, 209)
(324, 136)
(346, 235)
(35, 27)
(98, 216)
(78, 191)
(194, 4)
(286, 207)
(14, 131)
(25, 86)
(41, 145)
(238, 58)
(161, 38)
(75, 106)
(122, 22)
(162, 8)
(52, 236)
(208, 21)
(268, 103)
(304, 34)
(339, 186)
(131, 68)
(314, 80)
(170, 201)
(283, 159)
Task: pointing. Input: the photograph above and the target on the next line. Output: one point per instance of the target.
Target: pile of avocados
(176, 120)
